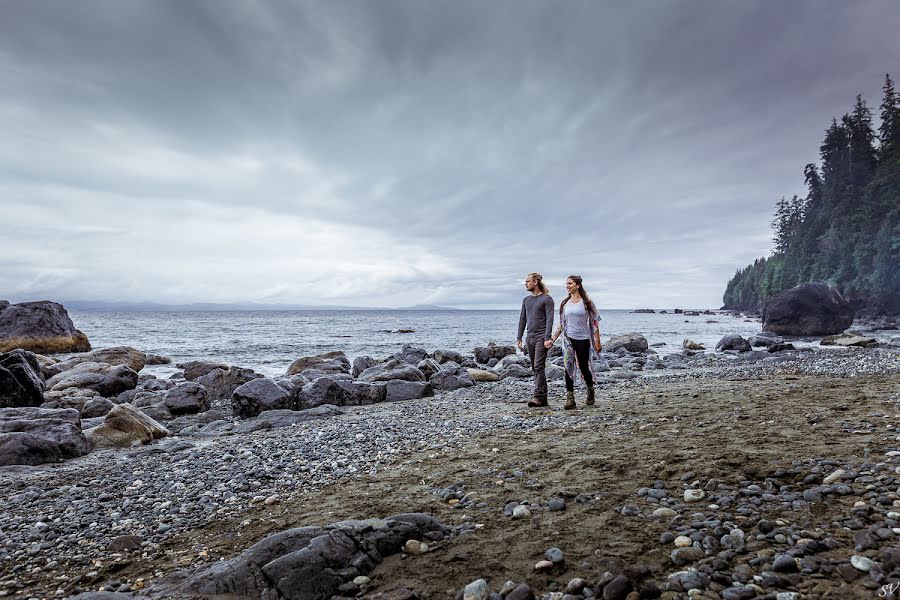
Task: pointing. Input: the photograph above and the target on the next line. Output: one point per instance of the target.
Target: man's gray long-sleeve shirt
(537, 315)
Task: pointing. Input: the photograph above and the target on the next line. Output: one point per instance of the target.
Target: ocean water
(269, 341)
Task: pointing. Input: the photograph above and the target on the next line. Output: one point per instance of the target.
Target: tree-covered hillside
(846, 230)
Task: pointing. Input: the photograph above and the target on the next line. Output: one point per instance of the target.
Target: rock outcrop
(733, 341)
(809, 309)
(117, 355)
(43, 327)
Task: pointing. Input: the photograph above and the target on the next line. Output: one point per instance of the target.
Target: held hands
(519, 345)
(548, 344)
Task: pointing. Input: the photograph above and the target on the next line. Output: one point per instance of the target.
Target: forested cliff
(846, 230)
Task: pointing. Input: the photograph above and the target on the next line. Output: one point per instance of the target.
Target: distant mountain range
(211, 306)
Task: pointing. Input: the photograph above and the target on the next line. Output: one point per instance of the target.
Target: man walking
(537, 317)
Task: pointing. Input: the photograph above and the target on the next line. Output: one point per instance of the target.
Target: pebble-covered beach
(739, 476)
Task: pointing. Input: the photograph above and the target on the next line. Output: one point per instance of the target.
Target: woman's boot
(590, 397)
(570, 400)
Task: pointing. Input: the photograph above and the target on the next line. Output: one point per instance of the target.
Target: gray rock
(392, 370)
(107, 380)
(685, 556)
(362, 393)
(632, 342)
(259, 395)
(429, 367)
(198, 368)
(452, 380)
(21, 380)
(96, 407)
(330, 362)
(733, 341)
(765, 339)
(304, 563)
(360, 364)
(42, 327)
(442, 356)
(322, 391)
(515, 370)
(118, 355)
(125, 426)
(398, 390)
(221, 383)
(186, 398)
(485, 354)
(809, 309)
(32, 436)
(411, 354)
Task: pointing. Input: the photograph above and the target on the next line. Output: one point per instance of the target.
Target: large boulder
(733, 341)
(398, 390)
(442, 356)
(322, 391)
(360, 364)
(193, 369)
(107, 380)
(362, 393)
(21, 380)
(632, 342)
(412, 354)
(330, 362)
(259, 395)
(118, 355)
(808, 309)
(125, 426)
(306, 563)
(764, 339)
(33, 436)
(188, 398)
(393, 369)
(485, 354)
(43, 327)
(451, 379)
(221, 383)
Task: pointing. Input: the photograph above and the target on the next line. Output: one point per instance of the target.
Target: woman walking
(579, 325)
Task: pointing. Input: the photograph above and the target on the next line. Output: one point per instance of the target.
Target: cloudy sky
(392, 153)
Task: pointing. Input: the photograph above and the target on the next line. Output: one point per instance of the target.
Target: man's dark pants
(537, 354)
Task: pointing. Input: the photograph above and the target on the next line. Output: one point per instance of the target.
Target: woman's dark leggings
(583, 355)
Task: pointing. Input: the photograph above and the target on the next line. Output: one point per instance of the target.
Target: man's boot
(537, 402)
(590, 397)
(570, 400)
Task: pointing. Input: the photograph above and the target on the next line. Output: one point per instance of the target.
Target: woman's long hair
(588, 303)
(536, 277)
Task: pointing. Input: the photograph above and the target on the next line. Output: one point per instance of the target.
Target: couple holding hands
(578, 326)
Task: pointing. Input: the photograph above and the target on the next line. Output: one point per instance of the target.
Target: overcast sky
(387, 153)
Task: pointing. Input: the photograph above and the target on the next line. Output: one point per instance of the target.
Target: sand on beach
(678, 431)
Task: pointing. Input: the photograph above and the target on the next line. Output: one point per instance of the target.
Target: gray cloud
(401, 152)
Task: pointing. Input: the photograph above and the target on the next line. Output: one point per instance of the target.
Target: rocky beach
(757, 470)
